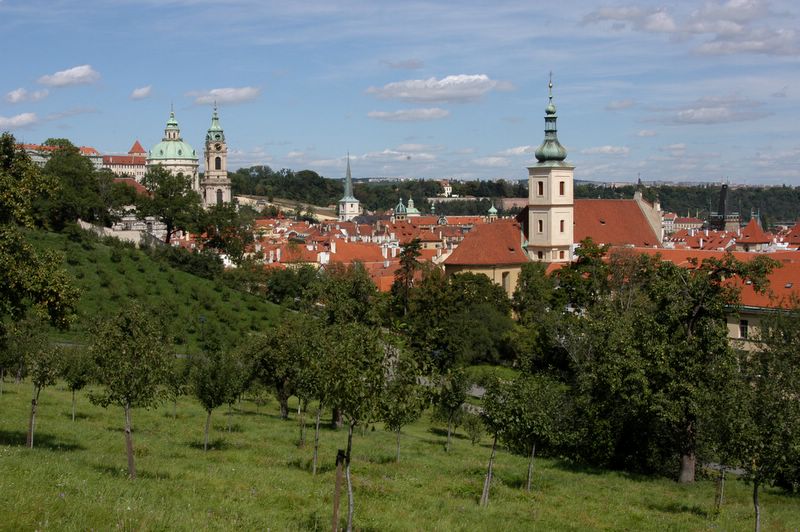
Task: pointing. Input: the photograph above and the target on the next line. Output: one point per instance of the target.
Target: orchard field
(255, 477)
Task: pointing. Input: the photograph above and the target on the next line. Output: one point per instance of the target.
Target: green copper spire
(550, 151)
(215, 132)
(348, 182)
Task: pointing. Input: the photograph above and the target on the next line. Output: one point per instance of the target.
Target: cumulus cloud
(729, 27)
(396, 154)
(142, 92)
(410, 115)
(491, 162)
(22, 95)
(607, 150)
(18, 121)
(404, 64)
(229, 95)
(646, 133)
(79, 75)
(457, 89)
(518, 150)
(618, 105)
(295, 155)
(718, 110)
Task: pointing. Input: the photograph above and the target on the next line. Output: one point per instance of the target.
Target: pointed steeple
(348, 181)
(550, 152)
(215, 132)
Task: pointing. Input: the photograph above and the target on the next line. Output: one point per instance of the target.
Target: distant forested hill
(775, 204)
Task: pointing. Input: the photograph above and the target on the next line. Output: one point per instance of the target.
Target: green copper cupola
(215, 132)
(550, 151)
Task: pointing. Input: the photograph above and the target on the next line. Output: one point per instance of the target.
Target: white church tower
(550, 196)
(215, 188)
(348, 206)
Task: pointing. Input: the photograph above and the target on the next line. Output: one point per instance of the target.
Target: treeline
(775, 204)
(304, 186)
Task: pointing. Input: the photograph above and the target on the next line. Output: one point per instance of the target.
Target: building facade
(215, 187)
(174, 154)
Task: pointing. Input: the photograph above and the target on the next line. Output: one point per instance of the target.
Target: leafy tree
(536, 410)
(215, 379)
(452, 395)
(23, 186)
(357, 360)
(227, 230)
(177, 383)
(171, 200)
(404, 397)
(404, 277)
(534, 295)
(346, 294)
(42, 362)
(130, 353)
(496, 418)
(79, 194)
(290, 286)
(77, 371)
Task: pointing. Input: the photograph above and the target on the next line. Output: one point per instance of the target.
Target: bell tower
(550, 196)
(215, 188)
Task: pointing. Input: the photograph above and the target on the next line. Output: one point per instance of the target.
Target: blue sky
(698, 91)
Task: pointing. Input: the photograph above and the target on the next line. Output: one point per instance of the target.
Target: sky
(678, 91)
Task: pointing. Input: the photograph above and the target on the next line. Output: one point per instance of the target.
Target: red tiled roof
(349, 252)
(84, 150)
(612, 221)
(132, 160)
(487, 244)
(753, 234)
(138, 187)
(136, 149)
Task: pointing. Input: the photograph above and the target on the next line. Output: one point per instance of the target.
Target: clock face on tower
(217, 146)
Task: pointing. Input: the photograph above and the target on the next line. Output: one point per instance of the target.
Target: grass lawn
(256, 478)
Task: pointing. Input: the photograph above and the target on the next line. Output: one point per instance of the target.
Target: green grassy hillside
(112, 277)
(256, 478)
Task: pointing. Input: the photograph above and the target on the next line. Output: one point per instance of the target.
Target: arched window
(219, 196)
(217, 163)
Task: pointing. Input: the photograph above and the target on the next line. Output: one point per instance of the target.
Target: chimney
(394, 252)
(701, 242)
(278, 254)
(386, 263)
(333, 245)
(271, 256)
(384, 252)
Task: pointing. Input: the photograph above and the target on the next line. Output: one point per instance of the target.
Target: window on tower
(540, 188)
(217, 163)
(561, 224)
(219, 196)
(540, 226)
(561, 188)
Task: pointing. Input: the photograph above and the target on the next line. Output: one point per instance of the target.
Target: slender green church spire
(348, 181)
(215, 132)
(550, 152)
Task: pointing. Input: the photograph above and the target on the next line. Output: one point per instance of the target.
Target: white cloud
(396, 154)
(295, 155)
(460, 88)
(646, 133)
(607, 150)
(519, 150)
(229, 95)
(491, 162)
(18, 121)
(79, 75)
(657, 21)
(22, 95)
(141, 93)
(410, 115)
(618, 105)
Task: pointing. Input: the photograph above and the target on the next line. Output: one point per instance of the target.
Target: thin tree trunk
(73, 405)
(756, 506)
(449, 431)
(720, 498)
(230, 411)
(302, 415)
(397, 459)
(129, 442)
(688, 464)
(175, 408)
(32, 420)
(530, 468)
(487, 482)
(316, 441)
(350, 502)
(336, 418)
(208, 426)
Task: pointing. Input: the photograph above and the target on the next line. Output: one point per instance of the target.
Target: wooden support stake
(340, 459)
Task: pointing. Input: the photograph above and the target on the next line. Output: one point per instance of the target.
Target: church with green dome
(174, 154)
